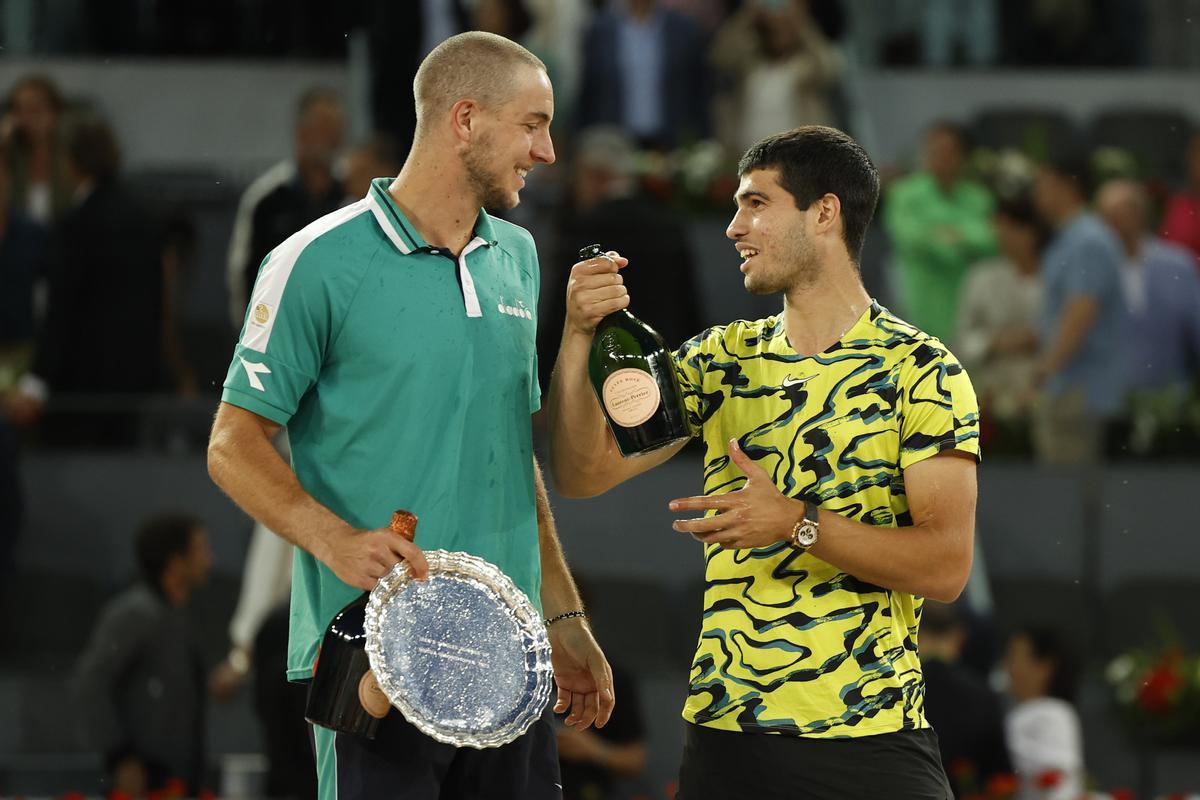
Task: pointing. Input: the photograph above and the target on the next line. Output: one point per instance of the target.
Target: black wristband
(565, 615)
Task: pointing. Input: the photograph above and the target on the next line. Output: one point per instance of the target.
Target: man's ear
(464, 120)
(828, 212)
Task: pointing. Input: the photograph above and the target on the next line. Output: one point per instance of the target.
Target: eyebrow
(749, 194)
(539, 115)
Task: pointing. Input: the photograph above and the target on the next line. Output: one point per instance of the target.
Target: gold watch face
(806, 535)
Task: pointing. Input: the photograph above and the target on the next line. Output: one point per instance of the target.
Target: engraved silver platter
(464, 656)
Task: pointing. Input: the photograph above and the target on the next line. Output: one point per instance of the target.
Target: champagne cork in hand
(405, 524)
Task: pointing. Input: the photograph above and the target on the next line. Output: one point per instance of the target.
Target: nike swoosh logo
(789, 381)
(253, 370)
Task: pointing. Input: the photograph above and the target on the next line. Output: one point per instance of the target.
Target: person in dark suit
(964, 711)
(106, 330)
(644, 69)
(608, 208)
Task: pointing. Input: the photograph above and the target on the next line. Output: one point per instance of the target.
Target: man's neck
(1133, 246)
(174, 590)
(819, 314)
(437, 201)
(1069, 214)
(316, 177)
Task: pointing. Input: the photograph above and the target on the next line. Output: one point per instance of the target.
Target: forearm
(627, 760)
(929, 560)
(1077, 319)
(245, 464)
(559, 593)
(583, 456)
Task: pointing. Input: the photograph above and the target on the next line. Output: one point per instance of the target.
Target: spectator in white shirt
(1045, 740)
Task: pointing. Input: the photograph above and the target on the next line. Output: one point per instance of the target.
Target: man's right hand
(595, 290)
(361, 558)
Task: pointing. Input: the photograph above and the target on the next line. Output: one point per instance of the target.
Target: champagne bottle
(634, 377)
(344, 694)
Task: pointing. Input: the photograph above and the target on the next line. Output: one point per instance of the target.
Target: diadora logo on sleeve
(253, 370)
(519, 310)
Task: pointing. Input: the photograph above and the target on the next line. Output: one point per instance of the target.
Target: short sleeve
(690, 361)
(1094, 272)
(284, 337)
(939, 411)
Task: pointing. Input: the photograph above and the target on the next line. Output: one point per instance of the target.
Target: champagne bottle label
(373, 700)
(631, 397)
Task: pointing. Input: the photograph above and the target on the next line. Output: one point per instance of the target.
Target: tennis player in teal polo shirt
(395, 339)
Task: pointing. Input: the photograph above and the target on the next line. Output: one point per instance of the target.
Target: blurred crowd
(1066, 281)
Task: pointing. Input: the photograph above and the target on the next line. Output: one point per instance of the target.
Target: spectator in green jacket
(939, 224)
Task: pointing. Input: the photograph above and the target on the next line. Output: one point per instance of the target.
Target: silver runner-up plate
(464, 655)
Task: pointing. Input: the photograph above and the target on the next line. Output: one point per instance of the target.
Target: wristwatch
(807, 529)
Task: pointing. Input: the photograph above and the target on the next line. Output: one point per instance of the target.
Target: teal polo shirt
(406, 377)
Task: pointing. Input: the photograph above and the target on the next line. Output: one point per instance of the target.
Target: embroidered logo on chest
(519, 310)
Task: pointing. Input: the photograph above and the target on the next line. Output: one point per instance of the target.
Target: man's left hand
(757, 515)
(585, 684)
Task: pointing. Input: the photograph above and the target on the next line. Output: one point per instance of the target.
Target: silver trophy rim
(516, 604)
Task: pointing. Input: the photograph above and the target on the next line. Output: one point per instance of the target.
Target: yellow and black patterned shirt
(790, 644)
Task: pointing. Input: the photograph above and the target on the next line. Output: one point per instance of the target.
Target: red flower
(1158, 689)
(1048, 779)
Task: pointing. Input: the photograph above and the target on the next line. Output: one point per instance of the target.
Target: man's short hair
(815, 160)
(159, 539)
(475, 65)
(608, 147)
(43, 84)
(316, 96)
(1073, 170)
(951, 128)
(92, 148)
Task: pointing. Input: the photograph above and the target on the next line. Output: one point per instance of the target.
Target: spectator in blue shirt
(1079, 367)
(1162, 293)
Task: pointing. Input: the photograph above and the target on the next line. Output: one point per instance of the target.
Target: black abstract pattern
(790, 644)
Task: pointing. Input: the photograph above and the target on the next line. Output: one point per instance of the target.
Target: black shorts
(402, 763)
(724, 765)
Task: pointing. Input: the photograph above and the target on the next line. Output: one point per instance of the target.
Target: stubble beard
(796, 268)
(487, 186)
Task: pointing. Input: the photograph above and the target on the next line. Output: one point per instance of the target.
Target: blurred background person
(1181, 222)
(22, 257)
(31, 129)
(1079, 369)
(107, 330)
(644, 70)
(996, 333)
(1161, 287)
(939, 221)
(599, 763)
(609, 208)
(140, 680)
(1045, 739)
(289, 195)
(779, 70)
(258, 634)
(374, 157)
(964, 711)
(954, 27)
